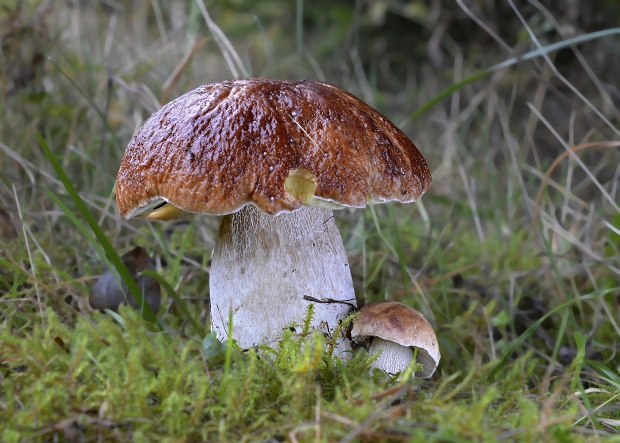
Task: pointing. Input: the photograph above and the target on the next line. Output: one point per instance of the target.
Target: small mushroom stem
(268, 269)
(394, 358)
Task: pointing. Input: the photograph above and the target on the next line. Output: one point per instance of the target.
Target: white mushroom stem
(263, 266)
(393, 358)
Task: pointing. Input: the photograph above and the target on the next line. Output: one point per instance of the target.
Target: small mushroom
(274, 158)
(107, 294)
(395, 330)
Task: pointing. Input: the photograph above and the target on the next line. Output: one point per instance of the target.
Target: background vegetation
(513, 255)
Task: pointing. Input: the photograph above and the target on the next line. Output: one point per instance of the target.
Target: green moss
(102, 377)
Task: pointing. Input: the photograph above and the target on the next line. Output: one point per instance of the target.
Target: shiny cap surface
(225, 145)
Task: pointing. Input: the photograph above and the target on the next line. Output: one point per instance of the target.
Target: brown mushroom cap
(403, 325)
(224, 145)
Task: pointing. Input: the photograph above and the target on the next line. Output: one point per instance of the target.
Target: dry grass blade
(574, 156)
(227, 48)
(174, 78)
(557, 161)
(559, 75)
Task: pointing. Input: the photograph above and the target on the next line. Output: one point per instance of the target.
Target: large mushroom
(395, 330)
(274, 157)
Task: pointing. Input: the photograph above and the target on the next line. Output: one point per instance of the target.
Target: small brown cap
(225, 145)
(400, 324)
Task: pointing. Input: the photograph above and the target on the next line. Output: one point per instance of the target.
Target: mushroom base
(262, 268)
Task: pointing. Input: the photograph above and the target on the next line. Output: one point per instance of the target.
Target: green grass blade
(580, 341)
(113, 257)
(229, 344)
(299, 30)
(88, 234)
(400, 251)
(510, 62)
(90, 101)
(565, 295)
(610, 376)
(444, 94)
(172, 293)
(532, 328)
(116, 317)
(554, 266)
(558, 340)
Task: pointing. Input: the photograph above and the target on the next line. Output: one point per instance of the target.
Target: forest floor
(512, 255)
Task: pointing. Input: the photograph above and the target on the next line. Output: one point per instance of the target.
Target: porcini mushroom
(395, 330)
(274, 157)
